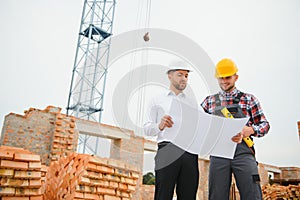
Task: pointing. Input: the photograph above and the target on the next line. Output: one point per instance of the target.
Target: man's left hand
(247, 131)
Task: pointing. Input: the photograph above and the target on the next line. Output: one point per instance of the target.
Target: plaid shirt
(250, 107)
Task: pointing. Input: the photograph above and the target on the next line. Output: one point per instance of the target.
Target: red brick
(28, 174)
(105, 169)
(113, 184)
(15, 198)
(131, 188)
(9, 182)
(7, 172)
(84, 180)
(123, 194)
(135, 175)
(14, 164)
(7, 191)
(35, 183)
(91, 196)
(26, 157)
(92, 167)
(109, 191)
(116, 178)
(78, 195)
(6, 155)
(123, 186)
(44, 168)
(98, 161)
(36, 198)
(26, 191)
(116, 163)
(34, 166)
(108, 197)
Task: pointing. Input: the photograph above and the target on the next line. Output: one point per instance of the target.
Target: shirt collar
(171, 93)
(233, 93)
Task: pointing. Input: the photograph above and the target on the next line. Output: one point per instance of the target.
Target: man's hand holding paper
(201, 133)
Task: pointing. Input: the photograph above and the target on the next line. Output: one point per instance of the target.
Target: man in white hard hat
(174, 167)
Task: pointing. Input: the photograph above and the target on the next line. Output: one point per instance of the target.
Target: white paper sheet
(202, 133)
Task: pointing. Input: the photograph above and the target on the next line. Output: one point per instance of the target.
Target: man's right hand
(237, 138)
(166, 121)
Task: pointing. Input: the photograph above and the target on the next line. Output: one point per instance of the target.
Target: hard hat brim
(223, 75)
(170, 70)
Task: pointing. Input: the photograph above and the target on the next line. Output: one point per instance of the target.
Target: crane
(90, 66)
(87, 89)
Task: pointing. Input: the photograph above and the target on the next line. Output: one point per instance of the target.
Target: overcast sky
(38, 42)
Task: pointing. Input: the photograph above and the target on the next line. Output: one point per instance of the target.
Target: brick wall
(47, 133)
(147, 192)
(290, 173)
(263, 172)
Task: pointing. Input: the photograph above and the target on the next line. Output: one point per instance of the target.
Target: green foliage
(149, 179)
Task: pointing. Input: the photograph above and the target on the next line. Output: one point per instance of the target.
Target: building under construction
(39, 157)
(38, 160)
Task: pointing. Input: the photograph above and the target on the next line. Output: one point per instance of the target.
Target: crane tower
(90, 66)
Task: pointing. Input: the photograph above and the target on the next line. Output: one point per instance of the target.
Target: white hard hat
(179, 65)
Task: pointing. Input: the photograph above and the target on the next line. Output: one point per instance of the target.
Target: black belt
(162, 144)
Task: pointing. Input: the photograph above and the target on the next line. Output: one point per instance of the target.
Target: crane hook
(146, 37)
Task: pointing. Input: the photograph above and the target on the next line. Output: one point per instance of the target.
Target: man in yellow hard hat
(243, 165)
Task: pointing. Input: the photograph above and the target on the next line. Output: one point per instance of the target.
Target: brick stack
(81, 176)
(21, 174)
(274, 191)
(64, 139)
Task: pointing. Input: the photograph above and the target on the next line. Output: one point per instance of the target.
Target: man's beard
(228, 89)
(179, 87)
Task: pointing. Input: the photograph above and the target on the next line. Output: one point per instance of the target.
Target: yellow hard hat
(225, 68)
